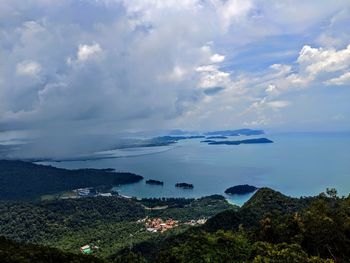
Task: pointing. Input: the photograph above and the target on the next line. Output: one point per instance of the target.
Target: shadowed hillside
(25, 180)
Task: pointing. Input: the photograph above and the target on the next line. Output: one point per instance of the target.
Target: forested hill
(110, 222)
(21, 180)
(271, 227)
(13, 252)
(264, 201)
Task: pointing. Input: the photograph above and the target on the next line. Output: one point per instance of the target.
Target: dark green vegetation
(187, 209)
(154, 182)
(248, 141)
(108, 222)
(241, 189)
(24, 180)
(184, 185)
(270, 227)
(13, 252)
(45, 221)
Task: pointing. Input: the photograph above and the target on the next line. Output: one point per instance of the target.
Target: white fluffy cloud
(113, 65)
(313, 68)
(340, 81)
(86, 53)
(216, 58)
(318, 60)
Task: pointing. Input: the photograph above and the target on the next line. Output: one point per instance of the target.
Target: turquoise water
(295, 164)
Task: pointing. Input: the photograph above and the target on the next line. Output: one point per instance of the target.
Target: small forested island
(248, 141)
(184, 185)
(241, 189)
(154, 182)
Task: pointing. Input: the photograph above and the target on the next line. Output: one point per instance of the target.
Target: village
(159, 225)
(152, 225)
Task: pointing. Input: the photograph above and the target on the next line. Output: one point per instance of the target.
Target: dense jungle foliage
(109, 222)
(269, 228)
(26, 181)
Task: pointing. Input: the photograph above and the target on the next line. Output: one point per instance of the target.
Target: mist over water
(297, 164)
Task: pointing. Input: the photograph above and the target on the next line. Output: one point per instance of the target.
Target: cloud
(110, 66)
(86, 52)
(216, 58)
(278, 104)
(336, 33)
(28, 68)
(313, 67)
(341, 80)
(318, 60)
(213, 90)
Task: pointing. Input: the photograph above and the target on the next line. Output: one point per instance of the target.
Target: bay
(297, 164)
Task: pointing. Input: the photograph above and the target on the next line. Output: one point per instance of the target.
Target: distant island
(207, 141)
(171, 139)
(241, 189)
(154, 182)
(184, 185)
(238, 142)
(246, 132)
(167, 140)
(178, 135)
(216, 137)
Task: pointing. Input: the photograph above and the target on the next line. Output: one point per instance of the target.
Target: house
(85, 249)
(157, 224)
(83, 192)
(105, 194)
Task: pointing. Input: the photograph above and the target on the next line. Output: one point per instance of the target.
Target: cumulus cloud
(216, 58)
(86, 52)
(318, 60)
(340, 81)
(313, 67)
(133, 65)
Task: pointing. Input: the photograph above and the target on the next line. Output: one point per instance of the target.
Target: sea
(296, 164)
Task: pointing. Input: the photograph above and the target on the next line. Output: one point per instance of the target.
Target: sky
(72, 68)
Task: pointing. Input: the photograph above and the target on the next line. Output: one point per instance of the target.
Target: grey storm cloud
(71, 69)
(80, 60)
